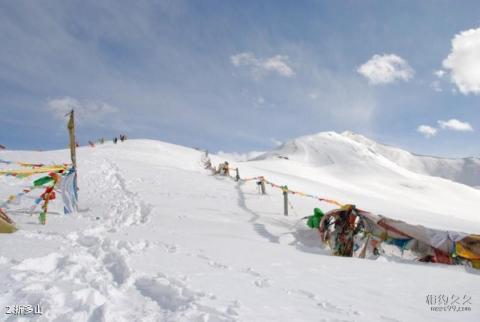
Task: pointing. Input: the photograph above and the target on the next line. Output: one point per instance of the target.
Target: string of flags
(284, 188)
(23, 164)
(362, 233)
(60, 177)
(24, 173)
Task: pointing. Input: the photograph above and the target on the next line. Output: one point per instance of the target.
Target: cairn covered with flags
(49, 180)
(351, 232)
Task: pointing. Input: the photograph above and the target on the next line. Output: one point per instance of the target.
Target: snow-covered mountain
(347, 148)
(158, 238)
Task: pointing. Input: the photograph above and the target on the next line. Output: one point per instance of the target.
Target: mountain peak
(353, 153)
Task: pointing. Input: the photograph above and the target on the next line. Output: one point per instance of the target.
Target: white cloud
(427, 130)
(452, 124)
(259, 67)
(384, 69)
(464, 61)
(439, 73)
(87, 111)
(455, 125)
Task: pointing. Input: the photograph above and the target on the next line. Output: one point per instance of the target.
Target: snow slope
(465, 170)
(159, 239)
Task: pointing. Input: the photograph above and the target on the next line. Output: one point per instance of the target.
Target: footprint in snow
(252, 272)
(233, 309)
(219, 265)
(327, 306)
(213, 263)
(263, 283)
(203, 256)
(171, 248)
(129, 247)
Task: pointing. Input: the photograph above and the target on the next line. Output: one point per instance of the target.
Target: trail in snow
(95, 281)
(107, 184)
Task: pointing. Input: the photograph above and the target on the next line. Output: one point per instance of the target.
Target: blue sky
(241, 75)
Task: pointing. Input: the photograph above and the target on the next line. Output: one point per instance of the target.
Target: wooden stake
(71, 132)
(285, 200)
(262, 185)
(73, 145)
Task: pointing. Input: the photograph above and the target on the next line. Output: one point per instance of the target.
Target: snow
(158, 238)
(465, 170)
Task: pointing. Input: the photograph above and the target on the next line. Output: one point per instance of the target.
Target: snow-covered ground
(160, 239)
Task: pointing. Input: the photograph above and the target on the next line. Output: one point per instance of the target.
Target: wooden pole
(71, 132)
(262, 185)
(73, 147)
(285, 200)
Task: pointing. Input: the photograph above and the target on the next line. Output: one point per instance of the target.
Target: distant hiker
(91, 144)
(115, 140)
(314, 220)
(2, 147)
(122, 137)
(77, 144)
(102, 140)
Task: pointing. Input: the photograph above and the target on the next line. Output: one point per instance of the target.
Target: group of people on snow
(122, 137)
(102, 140)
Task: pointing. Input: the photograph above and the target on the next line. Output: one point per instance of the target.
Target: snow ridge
(352, 151)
